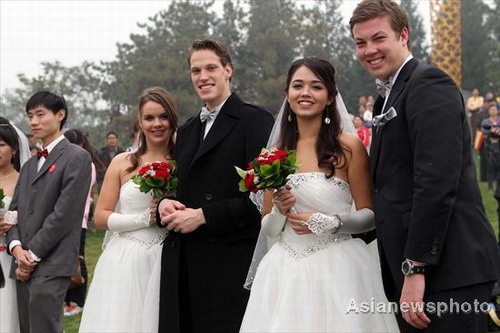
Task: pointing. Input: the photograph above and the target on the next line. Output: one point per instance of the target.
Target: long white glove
(273, 223)
(360, 221)
(128, 222)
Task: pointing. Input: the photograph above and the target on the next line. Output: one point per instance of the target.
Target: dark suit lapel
(192, 134)
(53, 156)
(377, 134)
(399, 86)
(225, 121)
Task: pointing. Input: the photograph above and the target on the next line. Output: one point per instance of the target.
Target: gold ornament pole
(446, 40)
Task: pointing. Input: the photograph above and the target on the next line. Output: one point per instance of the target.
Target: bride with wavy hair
(310, 276)
(129, 267)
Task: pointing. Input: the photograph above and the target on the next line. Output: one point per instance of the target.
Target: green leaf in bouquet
(157, 193)
(266, 170)
(136, 179)
(242, 173)
(242, 186)
(2, 195)
(173, 182)
(144, 188)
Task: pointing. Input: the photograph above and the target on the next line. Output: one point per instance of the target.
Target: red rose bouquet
(269, 170)
(159, 177)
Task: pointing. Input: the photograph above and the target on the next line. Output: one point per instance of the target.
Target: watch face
(406, 267)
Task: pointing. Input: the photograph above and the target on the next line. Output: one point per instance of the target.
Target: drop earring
(327, 119)
(289, 117)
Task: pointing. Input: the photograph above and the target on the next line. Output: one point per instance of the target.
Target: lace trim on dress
(297, 179)
(319, 223)
(318, 246)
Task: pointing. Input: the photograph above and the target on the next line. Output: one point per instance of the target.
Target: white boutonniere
(382, 119)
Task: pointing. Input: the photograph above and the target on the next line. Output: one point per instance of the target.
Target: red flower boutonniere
(52, 168)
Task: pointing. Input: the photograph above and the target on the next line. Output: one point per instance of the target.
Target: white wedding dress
(9, 321)
(318, 283)
(124, 293)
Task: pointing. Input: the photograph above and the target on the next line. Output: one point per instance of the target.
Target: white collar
(54, 143)
(395, 76)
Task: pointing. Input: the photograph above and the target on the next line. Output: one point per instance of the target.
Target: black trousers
(464, 310)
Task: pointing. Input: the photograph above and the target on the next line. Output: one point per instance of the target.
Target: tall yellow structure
(446, 41)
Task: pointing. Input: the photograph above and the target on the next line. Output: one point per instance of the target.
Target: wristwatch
(409, 268)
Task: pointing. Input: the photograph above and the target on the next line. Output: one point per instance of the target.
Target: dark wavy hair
(9, 135)
(162, 97)
(77, 137)
(329, 150)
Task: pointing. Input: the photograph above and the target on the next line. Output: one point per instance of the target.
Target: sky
(73, 31)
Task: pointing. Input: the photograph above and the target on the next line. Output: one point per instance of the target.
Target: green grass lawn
(94, 241)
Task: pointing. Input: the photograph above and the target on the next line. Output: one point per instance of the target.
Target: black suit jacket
(105, 157)
(428, 206)
(210, 264)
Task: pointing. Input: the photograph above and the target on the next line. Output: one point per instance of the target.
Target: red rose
(143, 170)
(282, 155)
(249, 180)
(162, 174)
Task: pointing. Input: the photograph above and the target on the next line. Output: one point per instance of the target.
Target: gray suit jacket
(50, 205)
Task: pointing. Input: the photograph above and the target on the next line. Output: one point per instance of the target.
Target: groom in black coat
(435, 242)
(213, 227)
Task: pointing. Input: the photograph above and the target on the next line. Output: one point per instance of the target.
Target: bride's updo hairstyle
(328, 148)
(9, 135)
(162, 97)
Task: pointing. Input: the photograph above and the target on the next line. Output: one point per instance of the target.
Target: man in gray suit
(49, 201)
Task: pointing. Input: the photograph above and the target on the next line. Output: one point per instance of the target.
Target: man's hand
(411, 302)
(24, 260)
(167, 207)
(22, 276)
(185, 220)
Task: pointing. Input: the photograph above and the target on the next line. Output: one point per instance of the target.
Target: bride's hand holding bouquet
(269, 171)
(158, 178)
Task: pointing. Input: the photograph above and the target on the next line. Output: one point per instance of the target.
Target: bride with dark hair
(311, 276)
(14, 153)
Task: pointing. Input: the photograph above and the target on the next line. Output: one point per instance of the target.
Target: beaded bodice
(133, 201)
(316, 193)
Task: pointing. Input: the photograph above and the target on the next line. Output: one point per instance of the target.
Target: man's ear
(61, 114)
(404, 36)
(228, 69)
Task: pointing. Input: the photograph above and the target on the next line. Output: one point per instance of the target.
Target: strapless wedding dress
(318, 283)
(124, 293)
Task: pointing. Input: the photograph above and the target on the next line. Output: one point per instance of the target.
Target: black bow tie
(42, 152)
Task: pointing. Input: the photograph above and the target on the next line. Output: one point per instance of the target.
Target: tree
(79, 85)
(158, 57)
(476, 45)
(493, 66)
(270, 47)
(419, 48)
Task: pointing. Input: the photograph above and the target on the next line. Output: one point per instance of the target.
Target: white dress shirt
(211, 121)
